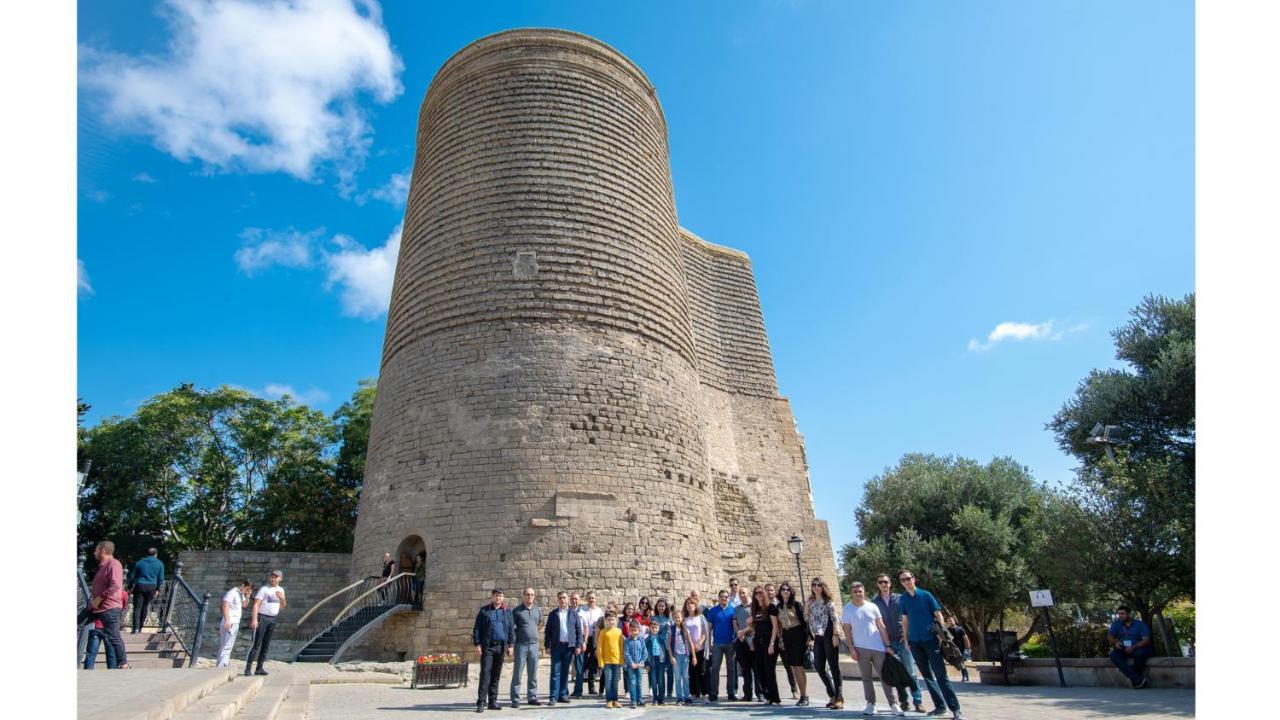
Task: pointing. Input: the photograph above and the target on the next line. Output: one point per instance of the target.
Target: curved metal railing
(320, 617)
(83, 597)
(359, 610)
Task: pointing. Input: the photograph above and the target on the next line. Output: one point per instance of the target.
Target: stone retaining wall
(308, 578)
(1162, 672)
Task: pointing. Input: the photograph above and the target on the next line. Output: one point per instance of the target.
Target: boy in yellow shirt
(609, 651)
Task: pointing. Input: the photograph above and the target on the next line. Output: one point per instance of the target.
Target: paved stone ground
(387, 702)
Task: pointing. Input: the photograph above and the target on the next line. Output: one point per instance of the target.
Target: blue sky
(906, 176)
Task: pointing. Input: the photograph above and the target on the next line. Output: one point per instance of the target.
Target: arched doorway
(412, 551)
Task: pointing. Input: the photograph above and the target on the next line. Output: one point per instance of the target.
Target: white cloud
(143, 178)
(256, 86)
(395, 191)
(98, 196)
(275, 391)
(364, 276)
(265, 248)
(1020, 331)
(82, 279)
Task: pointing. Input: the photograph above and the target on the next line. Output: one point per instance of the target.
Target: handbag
(808, 658)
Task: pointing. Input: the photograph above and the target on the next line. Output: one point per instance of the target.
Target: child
(636, 657)
(609, 654)
(659, 661)
(98, 637)
(679, 648)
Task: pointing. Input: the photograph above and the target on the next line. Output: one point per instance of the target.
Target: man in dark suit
(493, 635)
(563, 640)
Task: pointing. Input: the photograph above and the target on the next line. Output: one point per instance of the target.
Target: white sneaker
(956, 715)
(870, 709)
(895, 710)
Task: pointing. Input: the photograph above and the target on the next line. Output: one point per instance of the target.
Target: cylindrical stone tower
(538, 415)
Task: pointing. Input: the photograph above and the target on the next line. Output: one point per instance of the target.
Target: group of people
(109, 598)
(676, 651)
(391, 568)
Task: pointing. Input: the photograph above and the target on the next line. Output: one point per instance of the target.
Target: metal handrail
(393, 579)
(331, 596)
(84, 598)
(188, 604)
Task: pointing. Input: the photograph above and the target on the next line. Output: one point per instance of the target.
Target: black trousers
(143, 595)
(111, 634)
(767, 675)
(826, 659)
(491, 672)
(746, 668)
(261, 641)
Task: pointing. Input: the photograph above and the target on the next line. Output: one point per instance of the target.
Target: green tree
(967, 530)
(353, 419)
(1130, 520)
(205, 469)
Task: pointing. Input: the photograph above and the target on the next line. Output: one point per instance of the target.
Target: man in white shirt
(267, 605)
(869, 642)
(591, 614)
(232, 602)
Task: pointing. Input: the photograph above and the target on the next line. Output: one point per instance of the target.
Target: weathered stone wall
(308, 578)
(574, 392)
(538, 406)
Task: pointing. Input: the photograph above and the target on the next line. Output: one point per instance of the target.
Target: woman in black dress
(795, 638)
(764, 634)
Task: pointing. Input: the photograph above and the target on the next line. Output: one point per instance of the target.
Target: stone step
(295, 703)
(267, 703)
(225, 702)
(143, 662)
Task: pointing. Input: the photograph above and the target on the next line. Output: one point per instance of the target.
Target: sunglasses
(882, 582)
(905, 579)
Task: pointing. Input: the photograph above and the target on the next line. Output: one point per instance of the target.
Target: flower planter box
(439, 675)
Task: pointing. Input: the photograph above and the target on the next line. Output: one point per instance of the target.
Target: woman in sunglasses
(765, 632)
(824, 626)
(795, 638)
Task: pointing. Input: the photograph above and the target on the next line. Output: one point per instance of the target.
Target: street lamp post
(795, 544)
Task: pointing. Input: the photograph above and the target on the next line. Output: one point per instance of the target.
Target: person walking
(795, 639)
(680, 645)
(232, 604)
(267, 604)
(1130, 639)
(388, 569)
(609, 650)
(588, 664)
(144, 581)
(891, 612)
(720, 619)
(107, 600)
(920, 610)
(869, 640)
(765, 634)
(97, 637)
(493, 634)
(824, 627)
(635, 656)
(961, 640)
(526, 617)
(742, 650)
(564, 642)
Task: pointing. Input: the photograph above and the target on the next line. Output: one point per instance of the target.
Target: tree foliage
(204, 469)
(967, 530)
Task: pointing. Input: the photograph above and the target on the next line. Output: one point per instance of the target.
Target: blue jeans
(900, 649)
(609, 679)
(658, 670)
(91, 650)
(636, 682)
(928, 655)
(1118, 658)
(681, 673)
(525, 656)
(561, 656)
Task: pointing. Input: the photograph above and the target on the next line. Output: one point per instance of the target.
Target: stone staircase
(150, 648)
(323, 648)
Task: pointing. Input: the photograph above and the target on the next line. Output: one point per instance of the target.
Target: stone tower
(575, 392)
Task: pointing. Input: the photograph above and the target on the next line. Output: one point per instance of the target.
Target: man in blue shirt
(919, 611)
(1130, 639)
(720, 617)
(146, 579)
(493, 634)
